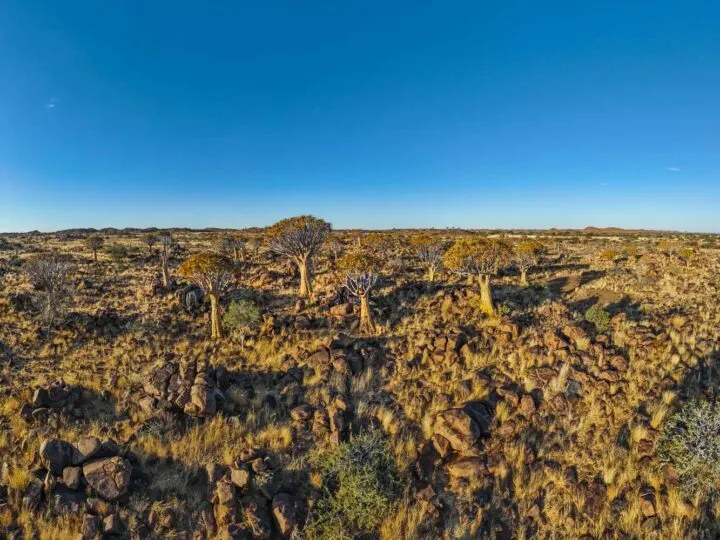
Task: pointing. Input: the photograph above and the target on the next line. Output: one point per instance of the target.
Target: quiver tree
(475, 256)
(49, 276)
(166, 242)
(150, 240)
(430, 251)
(94, 243)
(299, 239)
(360, 276)
(213, 273)
(526, 255)
(336, 248)
(232, 244)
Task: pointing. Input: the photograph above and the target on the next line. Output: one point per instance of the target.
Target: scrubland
(368, 394)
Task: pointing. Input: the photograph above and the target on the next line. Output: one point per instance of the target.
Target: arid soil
(125, 419)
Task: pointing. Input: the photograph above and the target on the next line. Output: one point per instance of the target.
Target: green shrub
(599, 317)
(691, 443)
(360, 481)
(241, 318)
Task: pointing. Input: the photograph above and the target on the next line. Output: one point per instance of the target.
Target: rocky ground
(127, 420)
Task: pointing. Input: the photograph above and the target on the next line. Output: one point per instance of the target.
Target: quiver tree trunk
(305, 277)
(523, 277)
(366, 322)
(431, 274)
(95, 255)
(486, 300)
(215, 322)
(165, 272)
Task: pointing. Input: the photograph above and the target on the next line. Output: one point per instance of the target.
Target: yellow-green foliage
(359, 262)
(477, 255)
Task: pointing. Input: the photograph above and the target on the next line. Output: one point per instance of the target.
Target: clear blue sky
(368, 113)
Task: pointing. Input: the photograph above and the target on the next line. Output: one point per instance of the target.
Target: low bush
(599, 317)
(360, 483)
(691, 443)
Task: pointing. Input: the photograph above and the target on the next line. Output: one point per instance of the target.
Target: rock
(442, 445)
(33, 494)
(90, 527)
(527, 405)
(257, 517)
(215, 471)
(471, 468)
(189, 386)
(647, 508)
(301, 413)
(71, 477)
(235, 531)
(240, 477)
(595, 499)
(110, 477)
(458, 427)
(283, 511)
(112, 524)
(56, 455)
(341, 311)
(65, 501)
(225, 493)
(87, 447)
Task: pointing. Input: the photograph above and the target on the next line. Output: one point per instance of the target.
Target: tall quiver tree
(94, 243)
(213, 273)
(150, 239)
(232, 244)
(430, 251)
(526, 255)
(476, 256)
(166, 242)
(360, 276)
(299, 239)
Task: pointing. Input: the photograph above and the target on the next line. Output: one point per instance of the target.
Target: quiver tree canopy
(299, 239)
(361, 275)
(476, 256)
(214, 274)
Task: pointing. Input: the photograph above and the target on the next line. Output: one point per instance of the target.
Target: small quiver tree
(526, 255)
(49, 276)
(241, 318)
(213, 273)
(166, 243)
(150, 240)
(299, 239)
(476, 256)
(232, 244)
(94, 243)
(360, 276)
(430, 251)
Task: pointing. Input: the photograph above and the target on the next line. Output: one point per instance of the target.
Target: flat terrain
(126, 417)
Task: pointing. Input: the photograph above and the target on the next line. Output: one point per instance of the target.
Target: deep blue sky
(368, 113)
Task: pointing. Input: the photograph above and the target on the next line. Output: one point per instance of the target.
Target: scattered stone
(109, 477)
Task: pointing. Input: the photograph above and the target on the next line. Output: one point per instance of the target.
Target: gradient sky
(371, 114)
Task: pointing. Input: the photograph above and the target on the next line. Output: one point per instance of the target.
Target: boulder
(56, 455)
(458, 427)
(283, 511)
(110, 477)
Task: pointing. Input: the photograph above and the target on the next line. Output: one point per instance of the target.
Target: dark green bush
(599, 317)
(691, 443)
(360, 482)
(241, 318)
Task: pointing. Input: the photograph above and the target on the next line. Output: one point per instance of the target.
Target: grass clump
(599, 317)
(360, 482)
(691, 443)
